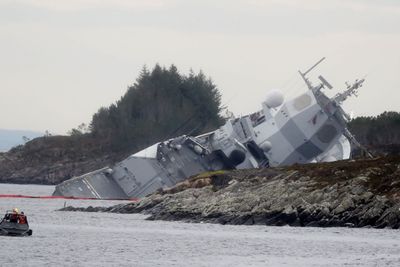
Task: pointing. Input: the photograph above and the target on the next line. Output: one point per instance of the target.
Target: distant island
(12, 138)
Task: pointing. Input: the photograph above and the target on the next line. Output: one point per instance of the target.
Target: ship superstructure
(308, 128)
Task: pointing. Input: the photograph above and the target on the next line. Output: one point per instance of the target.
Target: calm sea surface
(103, 239)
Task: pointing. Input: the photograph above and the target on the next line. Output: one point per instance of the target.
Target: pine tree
(161, 104)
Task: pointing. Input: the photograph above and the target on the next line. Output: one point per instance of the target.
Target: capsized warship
(309, 128)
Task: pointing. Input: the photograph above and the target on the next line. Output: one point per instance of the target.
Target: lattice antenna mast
(351, 90)
(303, 74)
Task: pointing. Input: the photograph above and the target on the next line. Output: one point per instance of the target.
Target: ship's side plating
(164, 165)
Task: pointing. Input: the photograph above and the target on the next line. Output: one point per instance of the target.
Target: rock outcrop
(53, 159)
(363, 193)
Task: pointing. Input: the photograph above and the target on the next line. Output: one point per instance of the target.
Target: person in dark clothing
(14, 215)
(6, 217)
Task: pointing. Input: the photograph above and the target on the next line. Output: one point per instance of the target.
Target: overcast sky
(62, 60)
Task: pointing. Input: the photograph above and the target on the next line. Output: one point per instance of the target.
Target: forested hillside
(379, 134)
(160, 105)
(383, 129)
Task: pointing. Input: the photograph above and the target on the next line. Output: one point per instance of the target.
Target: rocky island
(345, 193)
(352, 193)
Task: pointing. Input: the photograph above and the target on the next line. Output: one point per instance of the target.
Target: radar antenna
(303, 74)
(325, 82)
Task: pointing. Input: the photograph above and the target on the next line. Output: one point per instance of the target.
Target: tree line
(161, 104)
(383, 129)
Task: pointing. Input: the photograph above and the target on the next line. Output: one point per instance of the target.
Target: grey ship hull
(96, 184)
(138, 176)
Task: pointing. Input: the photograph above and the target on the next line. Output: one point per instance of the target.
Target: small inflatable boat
(14, 224)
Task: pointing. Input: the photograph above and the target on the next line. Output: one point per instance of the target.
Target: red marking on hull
(63, 197)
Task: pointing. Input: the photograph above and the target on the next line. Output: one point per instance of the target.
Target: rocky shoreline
(53, 159)
(363, 193)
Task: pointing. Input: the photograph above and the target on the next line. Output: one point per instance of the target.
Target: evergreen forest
(383, 129)
(161, 104)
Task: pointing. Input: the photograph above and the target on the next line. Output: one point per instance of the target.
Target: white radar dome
(266, 146)
(274, 99)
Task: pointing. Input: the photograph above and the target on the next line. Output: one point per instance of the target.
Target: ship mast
(338, 99)
(303, 74)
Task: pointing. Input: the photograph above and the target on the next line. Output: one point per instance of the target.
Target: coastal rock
(344, 193)
(53, 159)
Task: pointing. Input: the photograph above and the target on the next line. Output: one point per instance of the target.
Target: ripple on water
(104, 239)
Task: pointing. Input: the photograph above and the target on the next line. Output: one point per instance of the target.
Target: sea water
(105, 239)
